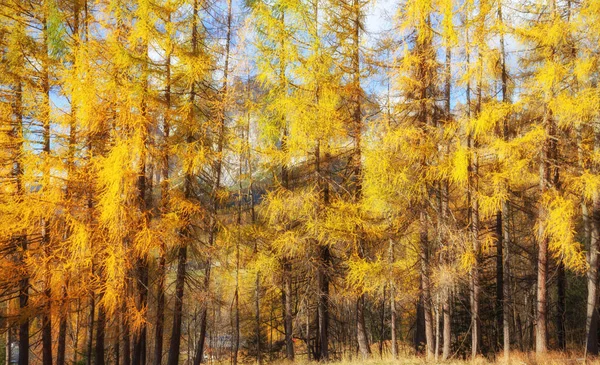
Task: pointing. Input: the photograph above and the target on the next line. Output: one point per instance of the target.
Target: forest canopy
(192, 181)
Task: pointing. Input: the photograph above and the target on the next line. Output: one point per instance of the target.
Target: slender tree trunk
(426, 286)
(288, 307)
(90, 336)
(506, 314)
(47, 311)
(446, 295)
(393, 320)
(541, 331)
(504, 219)
(175, 344)
(591, 324)
(499, 278)
(100, 328)
(475, 286)
(126, 340)
(561, 282)
(20, 241)
(23, 306)
(323, 268)
(199, 356)
(139, 345)
(323, 304)
(257, 320)
(361, 330)
(9, 340)
(62, 330)
(164, 187)
(217, 171)
(382, 324)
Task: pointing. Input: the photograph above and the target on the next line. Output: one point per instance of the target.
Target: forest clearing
(299, 181)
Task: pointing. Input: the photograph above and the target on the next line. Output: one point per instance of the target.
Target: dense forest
(192, 181)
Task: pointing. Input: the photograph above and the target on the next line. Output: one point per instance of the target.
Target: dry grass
(516, 358)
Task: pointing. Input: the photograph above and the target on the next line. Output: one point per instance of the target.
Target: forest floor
(517, 358)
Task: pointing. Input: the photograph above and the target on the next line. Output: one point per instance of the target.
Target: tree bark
(62, 330)
(174, 348)
(90, 335)
(503, 222)
(47, 307)
(323, 304)
(426, 286)
(23, 306)
(561, 282)
(20, 241)
(591, 323)
(363, 340)
(175, 342)
(164, 187)
(100, 328)
(541, 331)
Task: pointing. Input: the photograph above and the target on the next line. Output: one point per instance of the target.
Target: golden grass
(516, 358)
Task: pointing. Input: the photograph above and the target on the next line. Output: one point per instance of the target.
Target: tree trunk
(506, 282)
(62, 330)
(504, 213)
(444, 210)
(139, 345)
(591, 323)
(90, 335)
(21, 241)
(23, 306)
(426, 286)
(199, 356)
(499, 278)
(393, 320)
(541, 334)
(257, 320)
(126, 342)
(100, 327)
(475, 286)
(361, 331)
(323, 304)
(47, 310)
(175, 342)
(164, 187)
(561, 281)
(174, 348)
(288, 315)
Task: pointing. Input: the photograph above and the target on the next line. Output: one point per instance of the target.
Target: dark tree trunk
(288, 307)
(100, 327)
(361, 330)
(393, 322)
(199, 356)
(164, 187)
(62, 331)
(47, 310)
(419, 340)
(160, 308)
(174, 348)
(592, 282)
(23, 306)
(126, 342)
(90, 335)
(499, 279)
(175, 342)
(139, 346)
(426, 286)
(561, 281)
(323, 304)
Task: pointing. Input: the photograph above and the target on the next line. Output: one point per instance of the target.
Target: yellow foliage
(559, 228)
